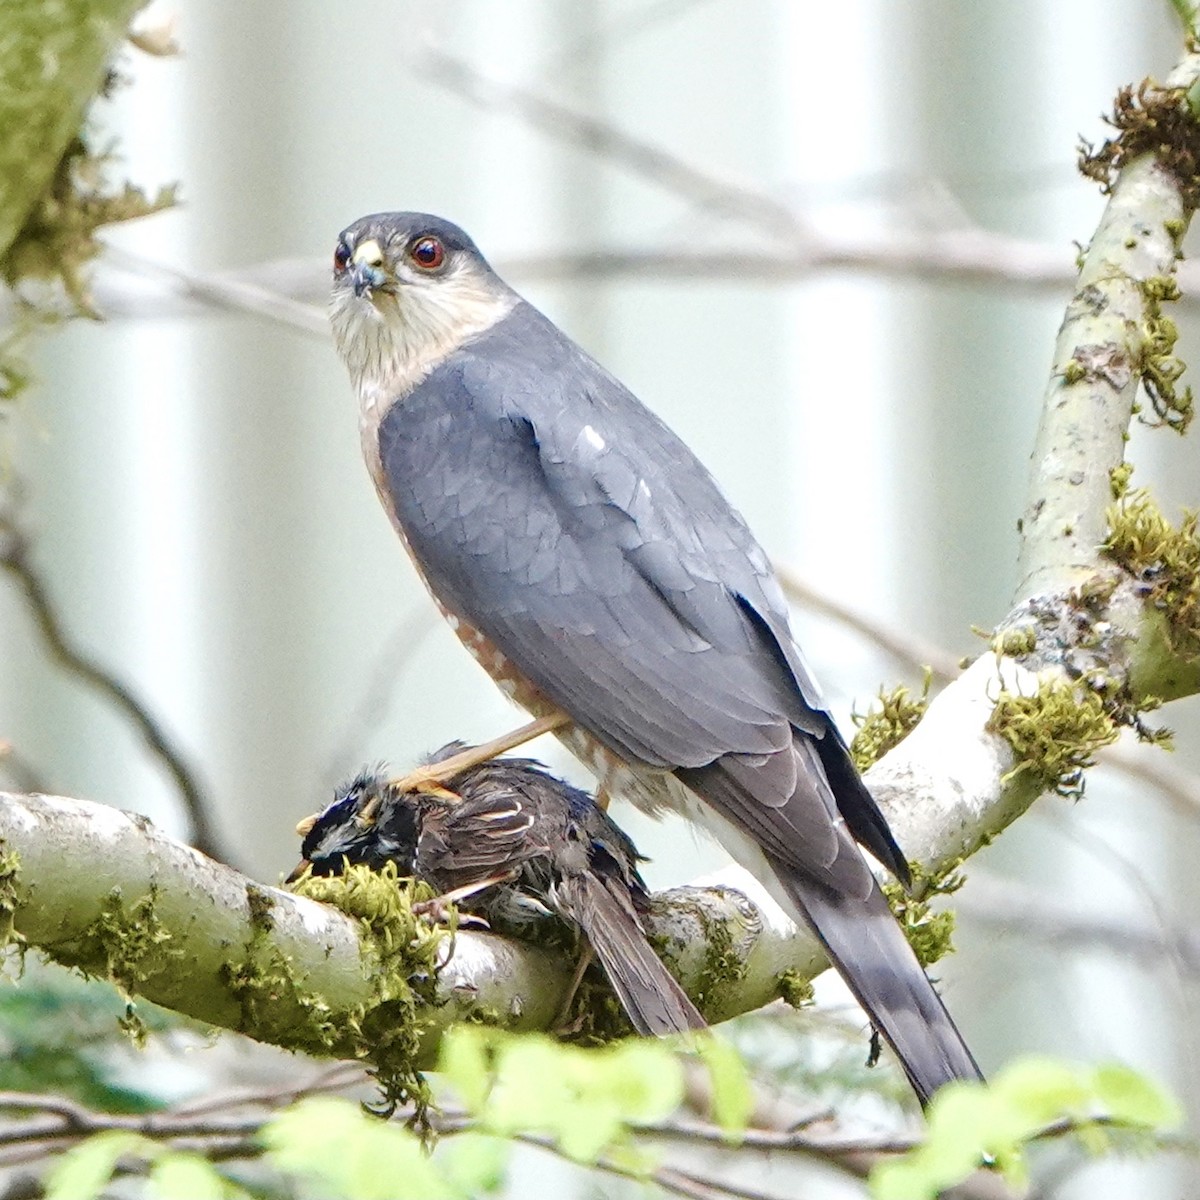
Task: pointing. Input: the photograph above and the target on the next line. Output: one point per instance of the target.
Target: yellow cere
(368, 253)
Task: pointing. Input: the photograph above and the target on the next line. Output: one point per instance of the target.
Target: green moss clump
(596, 1016)
(1053, 734)
(723, 965)
(1118, 479)
(794, 989)
(265, 977)
(885, 727)
(133, 943)
(1149, 120)
(10, 872)
(1161, 369)
(1015, 642)
(59, 237)
(1164, 559)
(128, 946)
(402, 951)
(930, 933)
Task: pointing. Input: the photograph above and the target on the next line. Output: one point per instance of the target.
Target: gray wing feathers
(628, 599)
(568, 524)
(604, 561)
(871, 954)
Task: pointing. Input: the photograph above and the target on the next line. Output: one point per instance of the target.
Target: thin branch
(17, 560)
(292, 291)
(1033, 914)
(1150, 765)
(225, 292)
(601, 138)
(911, 652)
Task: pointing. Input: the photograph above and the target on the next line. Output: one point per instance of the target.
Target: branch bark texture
(107, 892)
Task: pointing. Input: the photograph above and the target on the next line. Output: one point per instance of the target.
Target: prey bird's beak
(298, 870)
(367, 272)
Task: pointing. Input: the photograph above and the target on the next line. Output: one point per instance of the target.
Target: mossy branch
(1114, 337)
(109, 894)
(53, 60)
(1103, 627)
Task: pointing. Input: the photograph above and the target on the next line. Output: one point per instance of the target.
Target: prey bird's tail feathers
(654, 1001)
(873, 956)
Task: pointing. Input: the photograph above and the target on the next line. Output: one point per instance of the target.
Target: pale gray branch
(220, 928)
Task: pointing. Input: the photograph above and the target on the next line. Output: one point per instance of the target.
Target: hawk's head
(408, 290)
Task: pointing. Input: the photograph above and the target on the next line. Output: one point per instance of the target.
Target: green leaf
(477, 1163)
(465, 1062)
(968, 1121)
(1043, 1090)
(1130, 1097)
(964, 1119)
(646, 1077)
(351, 1154)
(84, 1171)
(584, 1099)
(187, 1177)
(732, 1095)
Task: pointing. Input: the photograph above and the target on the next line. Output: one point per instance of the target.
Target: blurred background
(829, 244)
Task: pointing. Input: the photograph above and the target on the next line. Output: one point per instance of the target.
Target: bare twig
(16, 559)
(909, 651)
(226, 292)
(1030, 913)
(602, 138)
(972, 256)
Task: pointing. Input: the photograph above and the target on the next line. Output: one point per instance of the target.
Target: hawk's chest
(432, 474)
(506, 676)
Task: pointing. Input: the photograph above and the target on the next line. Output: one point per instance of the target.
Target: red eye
(427, 252)
(341, 257)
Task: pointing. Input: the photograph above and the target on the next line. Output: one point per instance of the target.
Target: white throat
(391, 342)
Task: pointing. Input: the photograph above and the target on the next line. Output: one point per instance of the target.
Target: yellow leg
(586, 958)
(433, 777)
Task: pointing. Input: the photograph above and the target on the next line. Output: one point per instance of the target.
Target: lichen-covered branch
(1105, 623)
(107, 892)
(1114, 337)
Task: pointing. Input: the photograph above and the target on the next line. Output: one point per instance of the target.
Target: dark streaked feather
(649, 993)
(532, 845)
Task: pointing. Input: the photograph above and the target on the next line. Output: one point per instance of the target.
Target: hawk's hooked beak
(367, 273)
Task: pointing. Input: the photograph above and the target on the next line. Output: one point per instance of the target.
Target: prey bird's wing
(555, 513)
(480, 837)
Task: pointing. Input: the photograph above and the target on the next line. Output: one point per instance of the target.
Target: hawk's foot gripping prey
(593, 567)
(515, 845)
(434, 775)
